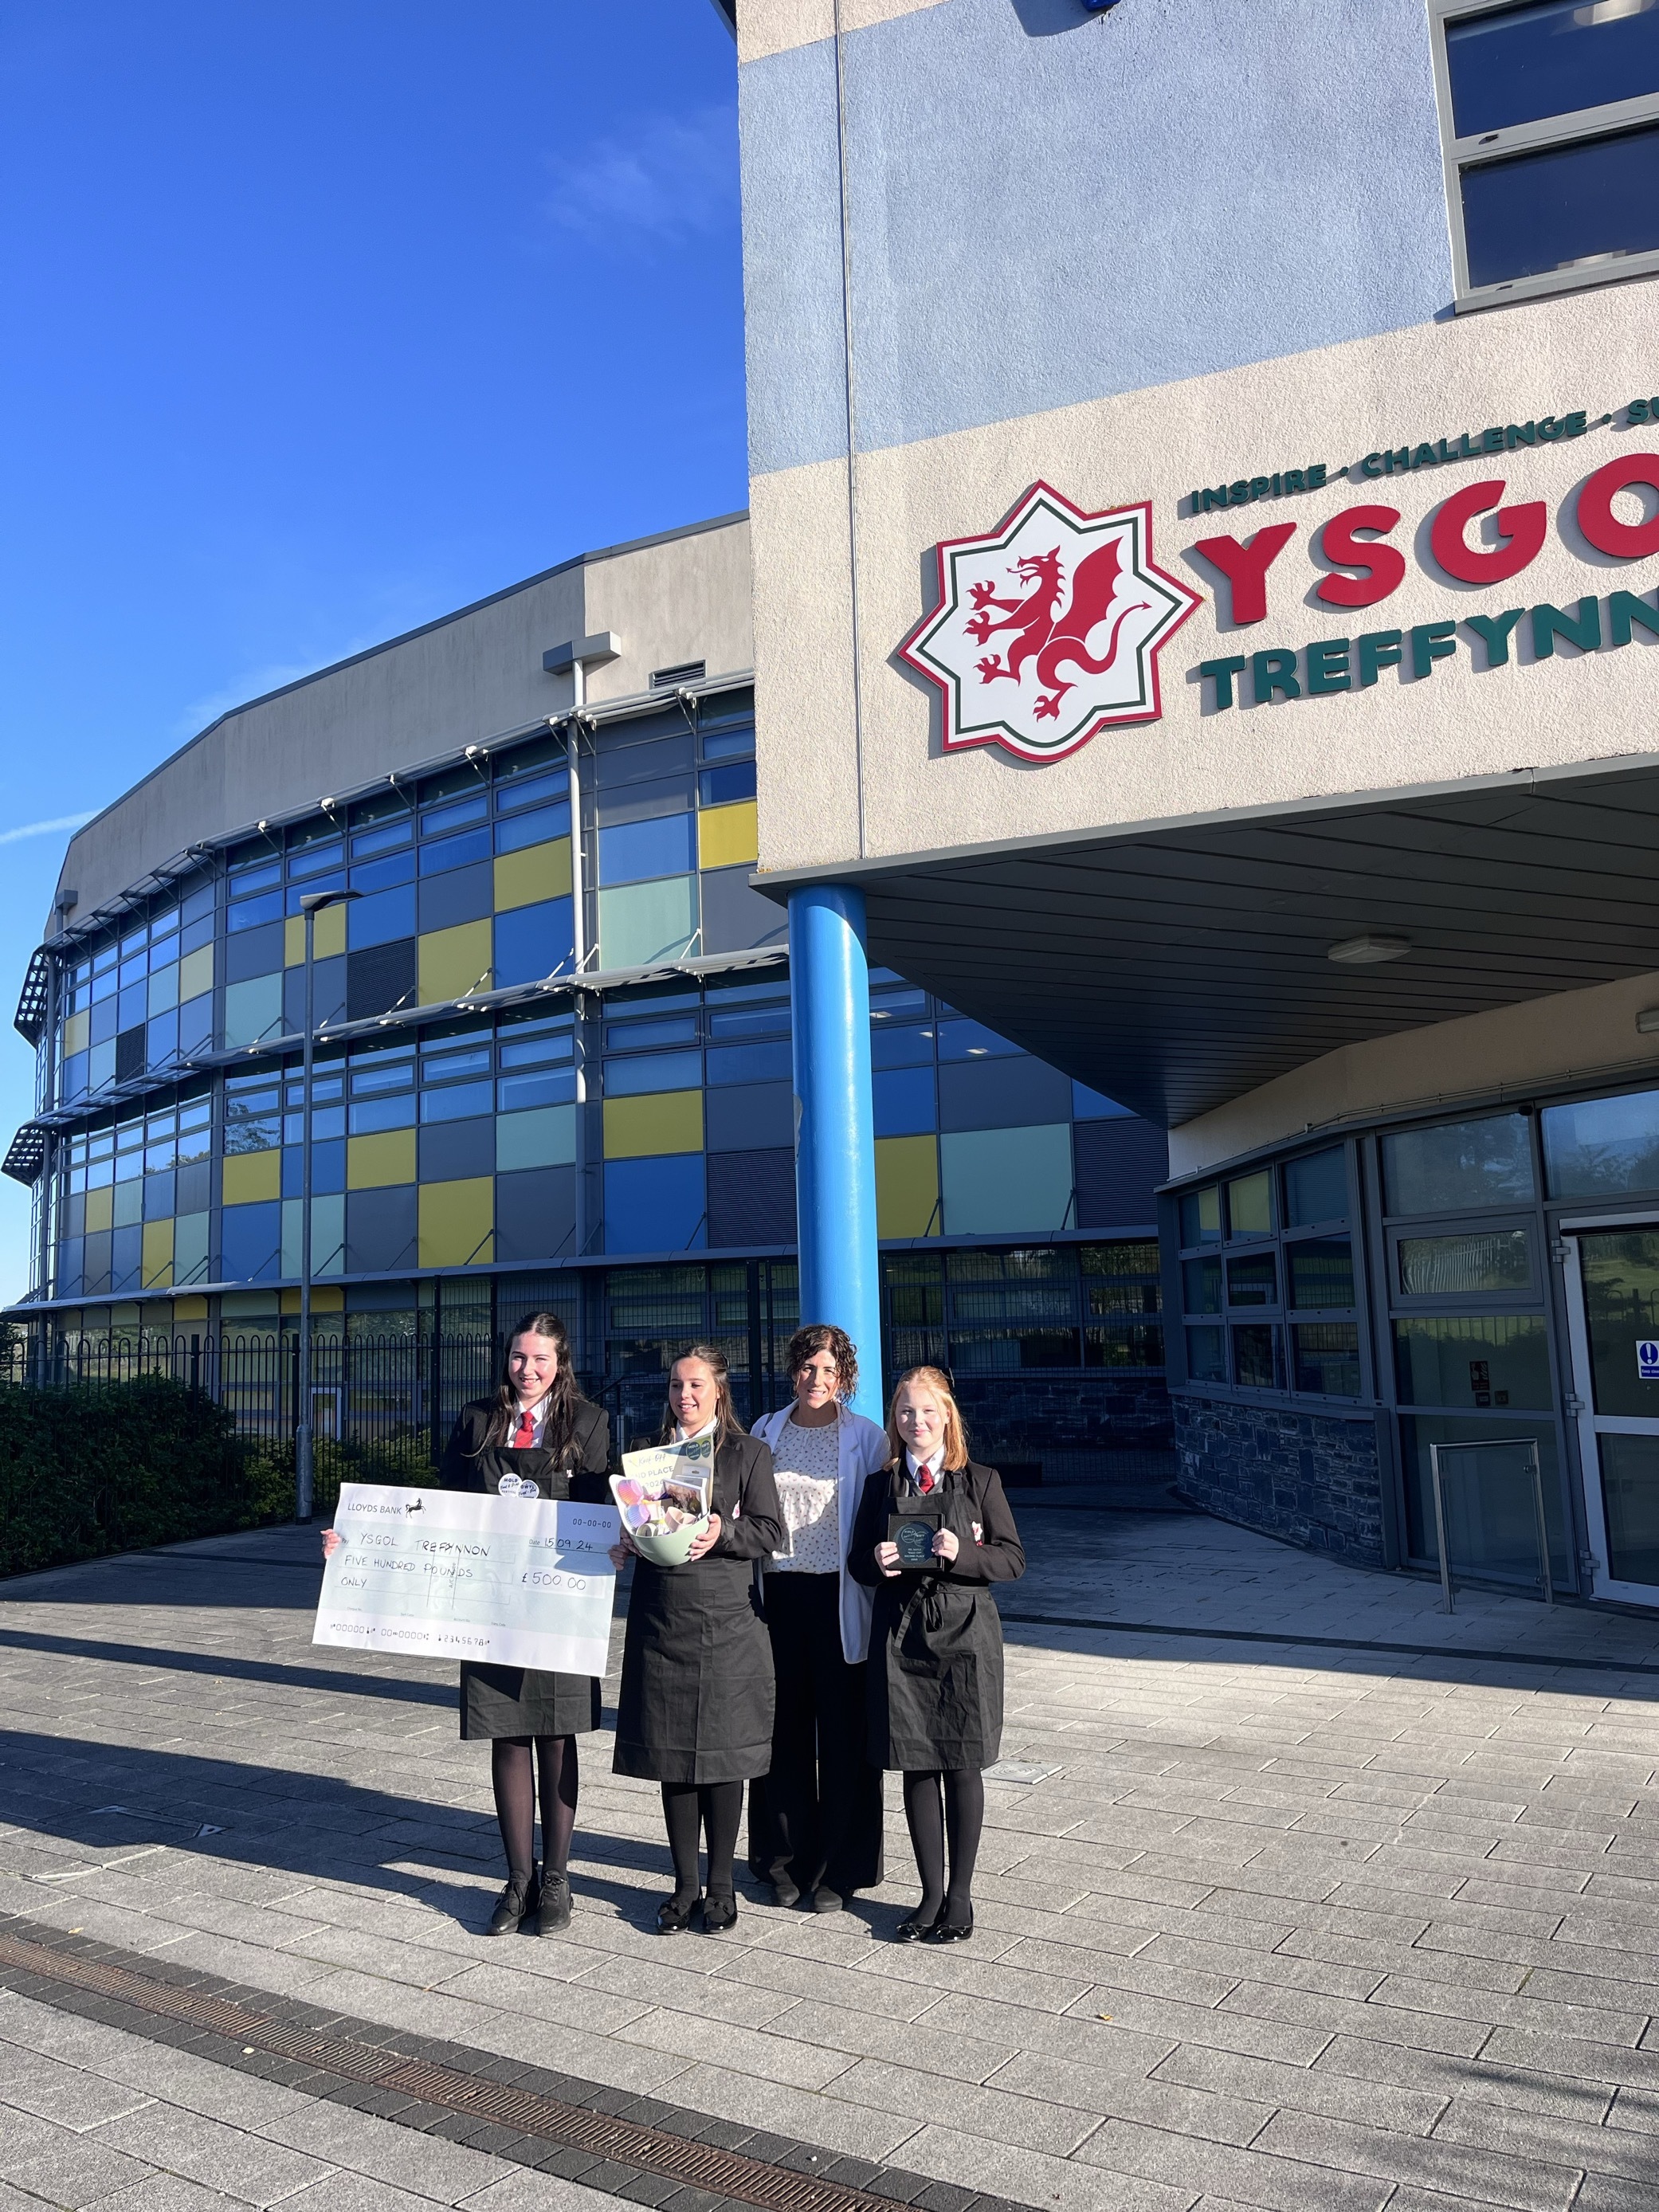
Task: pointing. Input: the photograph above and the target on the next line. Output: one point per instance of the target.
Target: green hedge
(108, 1466)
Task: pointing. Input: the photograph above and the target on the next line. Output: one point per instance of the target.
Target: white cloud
(675, 178)
(44, 829)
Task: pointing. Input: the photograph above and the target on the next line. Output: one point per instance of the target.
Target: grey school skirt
(520, 1701)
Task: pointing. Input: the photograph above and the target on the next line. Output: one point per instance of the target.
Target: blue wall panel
(1047, 207)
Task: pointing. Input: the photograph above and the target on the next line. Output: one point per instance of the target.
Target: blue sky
(322, 316)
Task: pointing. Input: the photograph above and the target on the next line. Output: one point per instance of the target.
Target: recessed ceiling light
(1369, 951)
(1648, 1020)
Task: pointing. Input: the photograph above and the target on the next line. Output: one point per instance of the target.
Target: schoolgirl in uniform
(694, 1713)
(815, 1821)
(934, 1680)
(538, 1436)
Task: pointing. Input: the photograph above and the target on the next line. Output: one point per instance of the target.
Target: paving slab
(1324, 1902)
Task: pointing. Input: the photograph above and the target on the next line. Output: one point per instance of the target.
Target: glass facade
(477, 1120)
(1489, 1280)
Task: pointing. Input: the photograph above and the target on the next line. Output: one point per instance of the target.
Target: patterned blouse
(808, 1462)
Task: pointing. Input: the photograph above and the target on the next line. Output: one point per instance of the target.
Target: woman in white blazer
(815, 1822)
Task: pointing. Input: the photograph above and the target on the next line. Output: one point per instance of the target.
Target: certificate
(504, 1582)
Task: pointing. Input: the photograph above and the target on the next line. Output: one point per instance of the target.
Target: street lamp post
(310, 905)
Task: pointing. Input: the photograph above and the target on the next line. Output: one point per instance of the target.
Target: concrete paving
(1281, 1926)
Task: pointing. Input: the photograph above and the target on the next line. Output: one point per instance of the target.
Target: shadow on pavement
(338, 1681)
(113, 1804)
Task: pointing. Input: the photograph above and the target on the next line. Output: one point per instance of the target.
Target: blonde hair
(955, 1431)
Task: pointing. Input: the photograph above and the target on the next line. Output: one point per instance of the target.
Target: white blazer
(863, 1449)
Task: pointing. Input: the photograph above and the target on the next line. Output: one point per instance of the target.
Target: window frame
(1458, 155)
(1278, 1315)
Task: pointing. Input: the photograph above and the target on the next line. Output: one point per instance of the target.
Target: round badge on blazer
(510, 1486)
(527, 1488)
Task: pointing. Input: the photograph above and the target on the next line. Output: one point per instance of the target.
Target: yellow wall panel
(251, 1177)
(661, 1121)
(453, 961)
(100, 1209)
(156, 1268)
(907, 1187)
(540, 871)
(386, 1157)
(77, 1033)
(728, 836)
(328, 934)
(456, 1221)
(189, 1310)
(195, 973)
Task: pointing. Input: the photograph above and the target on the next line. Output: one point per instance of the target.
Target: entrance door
(1612, 1283)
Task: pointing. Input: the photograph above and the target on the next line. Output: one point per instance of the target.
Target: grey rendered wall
(471, 675)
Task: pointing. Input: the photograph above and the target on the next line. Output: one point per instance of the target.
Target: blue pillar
(834, 1135)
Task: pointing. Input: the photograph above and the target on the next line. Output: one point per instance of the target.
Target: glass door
(1612, 1286)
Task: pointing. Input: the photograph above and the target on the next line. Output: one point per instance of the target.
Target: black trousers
(816, 1818)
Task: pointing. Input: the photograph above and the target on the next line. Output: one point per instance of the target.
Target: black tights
(512, 1770)
(716, 1808)
(960, 1816)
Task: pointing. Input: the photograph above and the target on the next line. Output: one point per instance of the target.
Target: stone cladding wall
(1309, 1478)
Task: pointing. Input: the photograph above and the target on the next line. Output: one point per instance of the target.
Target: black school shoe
(674, 1919)
(555, 1908)
(516, 1902)
(719, 1913)
(913, 1929)
(952, 1931)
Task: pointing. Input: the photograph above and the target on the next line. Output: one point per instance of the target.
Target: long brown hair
(559, 1423)
(956, 1429)
(727, 1423)
(823, 1336)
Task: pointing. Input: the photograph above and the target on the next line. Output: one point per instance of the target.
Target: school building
(552, 1060)
(1204, 495)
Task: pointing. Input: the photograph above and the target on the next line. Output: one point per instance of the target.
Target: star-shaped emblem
(1048, 628)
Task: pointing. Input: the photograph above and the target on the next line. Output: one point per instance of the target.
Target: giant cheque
(504, 1582)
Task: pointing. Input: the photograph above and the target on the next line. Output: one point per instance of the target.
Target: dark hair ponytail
(725, 1416)
(559, 1424)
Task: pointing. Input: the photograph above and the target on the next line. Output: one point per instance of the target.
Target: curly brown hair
(823, 1336)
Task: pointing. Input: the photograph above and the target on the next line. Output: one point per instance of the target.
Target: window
(1474, 1360)
(1327, 1357)
(1458, 1165)
(1320, 1272)
(1550, 127)
(1253, 1281)
(1603, 1147)
(1488, 1261)
(1317, 1189)
(1200, 1216)
(1250, 1204)
(1291, 1303)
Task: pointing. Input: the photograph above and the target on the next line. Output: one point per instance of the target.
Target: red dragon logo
(1073, 660)
(1057, 644)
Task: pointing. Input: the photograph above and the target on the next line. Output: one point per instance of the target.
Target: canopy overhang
(1175, 965)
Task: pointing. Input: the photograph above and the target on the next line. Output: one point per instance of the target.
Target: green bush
(403, 1458)
(108, 1466)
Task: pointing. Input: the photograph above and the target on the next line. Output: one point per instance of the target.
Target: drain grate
(564, 2126)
